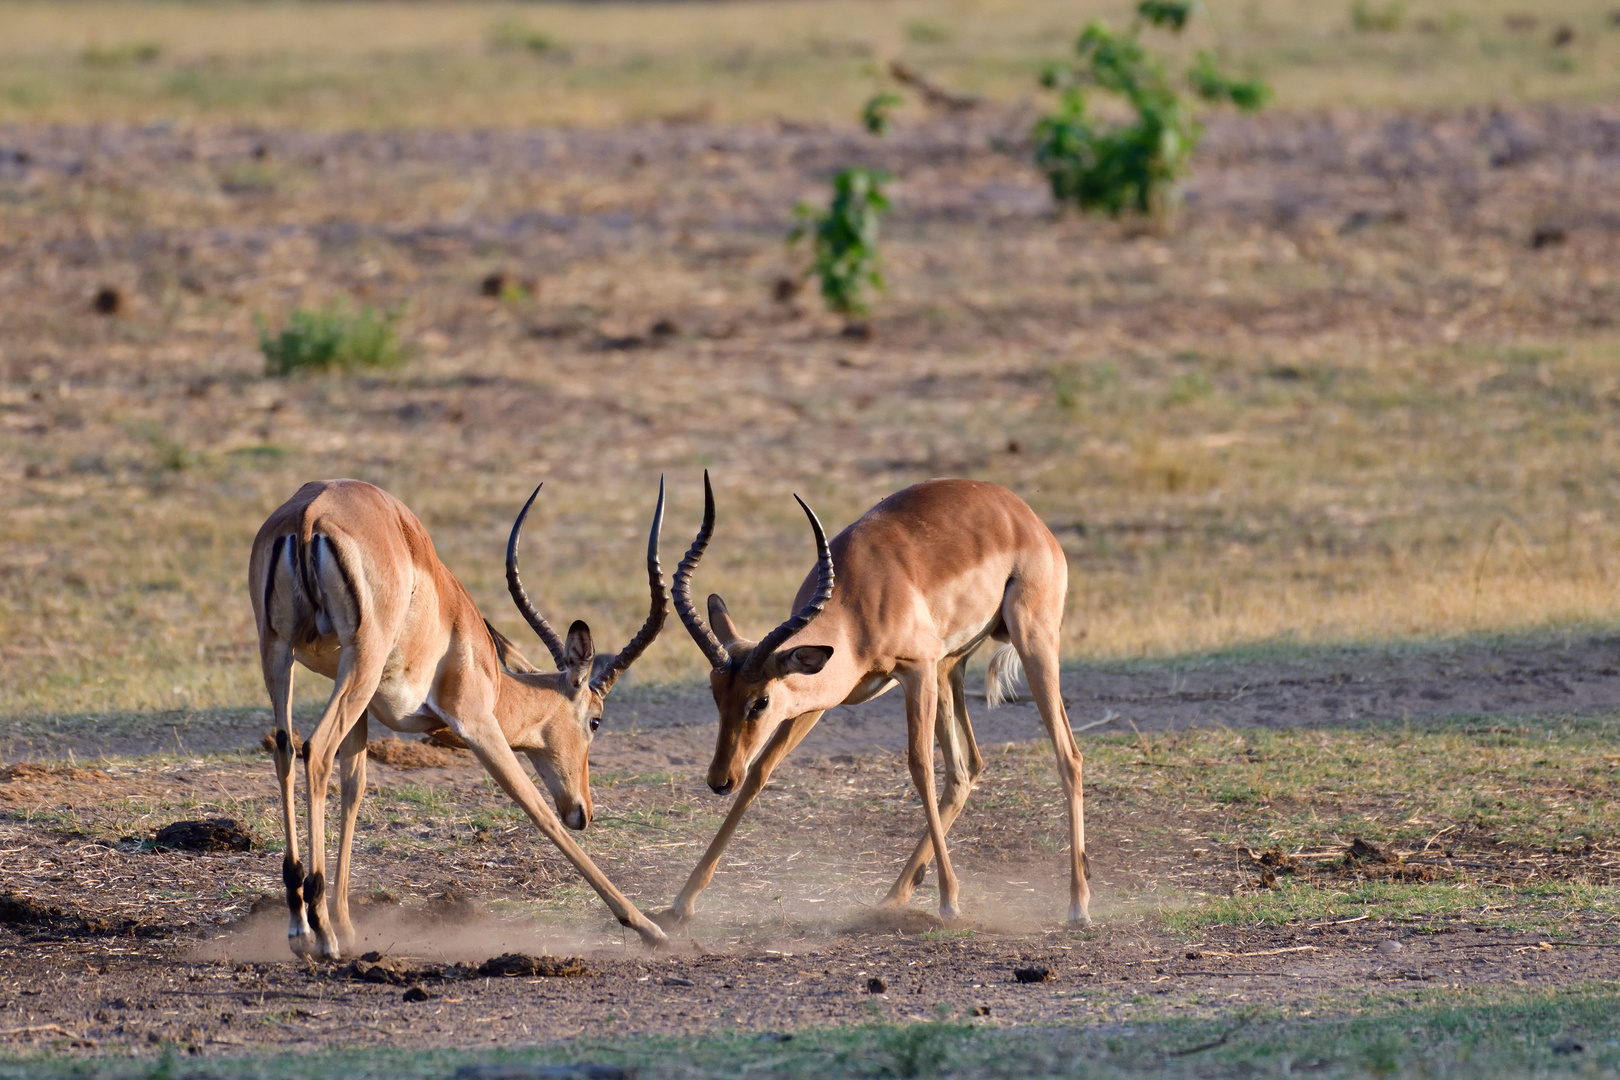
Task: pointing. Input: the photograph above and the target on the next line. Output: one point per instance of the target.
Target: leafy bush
(330, 338)
(845, 239)
(1133, 165)
(877, 114)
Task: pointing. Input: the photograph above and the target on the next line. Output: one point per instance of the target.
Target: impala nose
(576, 818)
(722, 789)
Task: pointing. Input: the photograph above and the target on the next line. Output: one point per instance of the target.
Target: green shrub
(877, 114)
(517, 34)
(845, 239)
(1114, 167)
(330, 338)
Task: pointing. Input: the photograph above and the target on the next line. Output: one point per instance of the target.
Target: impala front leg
(485, 739)
(922, 697)
(789, 735)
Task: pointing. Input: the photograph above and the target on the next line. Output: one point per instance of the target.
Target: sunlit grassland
(495, 65)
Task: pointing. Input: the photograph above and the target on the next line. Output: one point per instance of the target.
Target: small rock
(1032, 974)
(1568, 1044)
(981, 1010)
(107, 301)
(1361, 851)
(493, 284)
(785, 288)
(416, 993)
(1546, 236)
(1195, 956)
(1390, 947)
(875, 985)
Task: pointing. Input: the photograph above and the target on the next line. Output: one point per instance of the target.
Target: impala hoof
(669, 919)
(1078, 919)
(949, 912)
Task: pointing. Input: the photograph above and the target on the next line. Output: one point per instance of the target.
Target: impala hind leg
(1032, 626)
(789, 735)
(962, 768)
(360, 668)
(276, 658)
(352, 784)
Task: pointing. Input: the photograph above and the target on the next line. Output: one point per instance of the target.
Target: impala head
(555, 716)
(753, 682)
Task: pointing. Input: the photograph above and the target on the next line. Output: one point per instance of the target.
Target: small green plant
(135, 52)
(923, 32)
(877, 115)
(1133, 165)
(844, 239)
(330, 338)
(516, 34)
(1368, 19)
(1210, 83)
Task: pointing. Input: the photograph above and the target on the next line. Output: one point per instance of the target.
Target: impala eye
(758, 706)
(596, 722)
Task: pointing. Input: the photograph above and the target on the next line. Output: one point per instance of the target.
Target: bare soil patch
(463, 908)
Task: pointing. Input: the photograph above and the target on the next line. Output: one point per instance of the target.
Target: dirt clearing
(1294, 869)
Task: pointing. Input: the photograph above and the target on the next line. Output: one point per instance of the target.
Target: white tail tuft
(1001, 680)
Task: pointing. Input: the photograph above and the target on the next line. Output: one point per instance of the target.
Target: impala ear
(577, 653)
(805, 660)
(720, 621)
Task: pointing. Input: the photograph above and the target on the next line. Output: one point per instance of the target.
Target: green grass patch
(332, 337)
(1421, 1033)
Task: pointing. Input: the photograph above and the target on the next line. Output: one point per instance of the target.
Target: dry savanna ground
(1363, 391)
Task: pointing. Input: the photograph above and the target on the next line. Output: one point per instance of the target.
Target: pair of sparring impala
(345, 580)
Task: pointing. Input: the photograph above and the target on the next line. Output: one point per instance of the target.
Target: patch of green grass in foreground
(1424, 1033)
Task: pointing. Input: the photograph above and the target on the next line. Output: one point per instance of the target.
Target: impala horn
(604, 680)
(754, 666)
(514, 585)
(681, 588)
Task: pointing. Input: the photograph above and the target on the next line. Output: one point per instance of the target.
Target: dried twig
(934, 94)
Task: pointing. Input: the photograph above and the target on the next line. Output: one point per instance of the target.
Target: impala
(924, 577)
(345, 580)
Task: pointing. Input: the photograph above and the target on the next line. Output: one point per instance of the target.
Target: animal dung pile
(509, 965)
(403, 971)
(214, 834)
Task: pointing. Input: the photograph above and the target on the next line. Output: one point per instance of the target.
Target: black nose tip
(721, 789)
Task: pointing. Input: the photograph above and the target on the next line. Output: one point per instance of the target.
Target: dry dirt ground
(107, 944)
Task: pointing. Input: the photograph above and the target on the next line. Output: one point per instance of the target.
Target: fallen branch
(1264, 952)
(933, 93)
(37, 1029)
